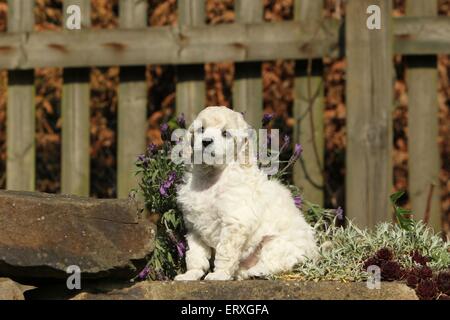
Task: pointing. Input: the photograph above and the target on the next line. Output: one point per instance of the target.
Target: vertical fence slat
(132, 109)
(21, 119)
(369, 107)
(75, 166)
(424, 160)
(247, 87)
(190, 88)
(308, 113)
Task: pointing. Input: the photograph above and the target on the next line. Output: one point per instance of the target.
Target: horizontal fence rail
(422, 35)
(168, 45)
(191, 44)
(247, 42)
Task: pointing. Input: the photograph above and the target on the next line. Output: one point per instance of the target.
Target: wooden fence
(421, 35)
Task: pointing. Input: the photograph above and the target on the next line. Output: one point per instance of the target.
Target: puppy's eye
(201, 130)
(226, 134)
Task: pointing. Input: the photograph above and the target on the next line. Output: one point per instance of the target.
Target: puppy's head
(220, 135)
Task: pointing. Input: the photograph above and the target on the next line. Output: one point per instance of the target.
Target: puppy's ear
(241, 123)
(191, 139)
(188, 147)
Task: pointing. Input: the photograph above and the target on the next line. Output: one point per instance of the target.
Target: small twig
(426, 216)
(310, 100)
(308, 177)
(311, 105)
(2, 179)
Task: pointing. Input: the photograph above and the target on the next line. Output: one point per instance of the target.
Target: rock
(10, 290)
(253, 290)
(42, 234)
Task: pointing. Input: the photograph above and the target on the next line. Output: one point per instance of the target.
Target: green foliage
(402, 215)
(158, 179)
(344, 249)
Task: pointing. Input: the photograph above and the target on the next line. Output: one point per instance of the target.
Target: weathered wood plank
(187, 45)
(21, 150)
(190, 88)
(247, 86)
(423, 108)
(75, 113)
(132, 109)
(168, 45)
(20, 15)
(369, 107)
(308, 113)
(422, 35)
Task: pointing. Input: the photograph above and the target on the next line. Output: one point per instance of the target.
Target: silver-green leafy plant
(343, 250)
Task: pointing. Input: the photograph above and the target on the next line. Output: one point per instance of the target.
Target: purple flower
(266, 119)
(297, 150)
(142, 158)
(152, 149)
(165, 134)
(163, 191)
(181, 121)
(172, 177)
(339, 214)
(298, 201)
(181, 248)
(167, 184)
(144, 273)
(286, 141)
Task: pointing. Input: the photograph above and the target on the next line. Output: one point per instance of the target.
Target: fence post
(190, 88)
(247, 87)
(424, 159)
(21, 120)
(75, 113)
(308, 112)
(369, 107)
(132, 109)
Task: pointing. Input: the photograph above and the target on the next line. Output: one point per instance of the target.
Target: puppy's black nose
(206, 142)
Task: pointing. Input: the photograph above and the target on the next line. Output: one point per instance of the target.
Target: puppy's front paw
(218, 275)
(190, 275)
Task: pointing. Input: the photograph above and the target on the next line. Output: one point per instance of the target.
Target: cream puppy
(234, 210)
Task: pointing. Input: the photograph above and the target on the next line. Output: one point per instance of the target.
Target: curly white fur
(250, 222)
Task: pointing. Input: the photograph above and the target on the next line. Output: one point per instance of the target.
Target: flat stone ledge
(253, 290)
(42, 234)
